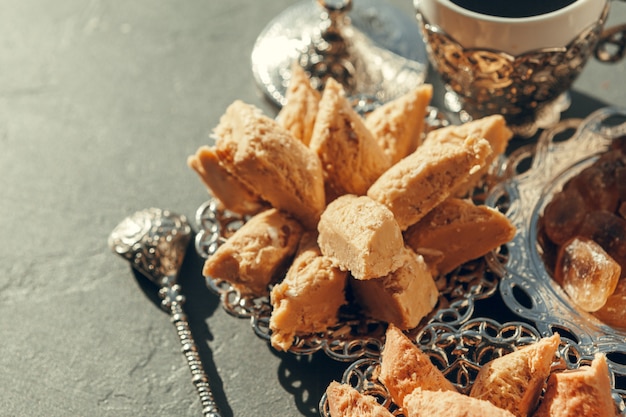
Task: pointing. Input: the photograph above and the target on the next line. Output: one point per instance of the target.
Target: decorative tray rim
(526, 286)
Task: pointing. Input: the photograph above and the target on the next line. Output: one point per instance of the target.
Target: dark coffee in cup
(513, 8)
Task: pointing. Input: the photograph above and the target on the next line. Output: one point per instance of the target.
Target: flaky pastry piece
(403, 297)
(584, 392)
(514, 381)
(492, 128)
(309, 297)
(345, 401)
(423, 403)
(251, 258)
(459, 231)
(300, 110)
(398, 125)
(421, 181)
(232, 193)
(269, 160)
(405, 367)
(351, 157)
(361, 236)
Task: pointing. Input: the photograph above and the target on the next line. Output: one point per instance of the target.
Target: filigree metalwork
(153, 241)
(354, 336)
(459, 352)
(525, 88)
(370, 48)
(526, 286)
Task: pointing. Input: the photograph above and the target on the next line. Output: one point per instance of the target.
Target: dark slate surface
(100, 104)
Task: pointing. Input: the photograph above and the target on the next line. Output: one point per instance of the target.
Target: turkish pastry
(514, 381)
(361, 236)
(404, 367)
(350, 185)
(458, 231)
(418, 183)
(308, 299)
(351, 157)
(403, 297)
(398, 125)
(232, 193)
(492, 128)
(423, 403)
(585, 391)
(302, 101)
(521, 383)
(268, 159)
(345, 401)
(251, 258)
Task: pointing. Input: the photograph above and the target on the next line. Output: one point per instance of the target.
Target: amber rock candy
(597, 188)
(563, 215)
(588, 274)
(613, 312)
(609, 231)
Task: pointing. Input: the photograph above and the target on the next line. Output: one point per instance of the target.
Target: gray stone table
(101, 102)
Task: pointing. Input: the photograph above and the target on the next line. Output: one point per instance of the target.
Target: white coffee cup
(513, 35)
(520, 67)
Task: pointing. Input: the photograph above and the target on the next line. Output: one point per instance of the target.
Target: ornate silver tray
(526, 286)
(354, 337)
(460, 352)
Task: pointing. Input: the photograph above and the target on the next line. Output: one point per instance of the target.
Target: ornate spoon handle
(172, 301)
(154, 242)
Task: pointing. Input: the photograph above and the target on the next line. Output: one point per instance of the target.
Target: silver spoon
(154, 242)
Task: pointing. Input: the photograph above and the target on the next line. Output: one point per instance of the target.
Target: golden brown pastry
(492, 128)
(269, 160)
(351, 157)
(423, 403)
(250, 259)
(362, 237)
(299, 112)
(422, 180)
(309, 298)
(459, 231)
(345, 401)
(403, 298)
(404, 367)
(514, 381)
(584, 392)
(232, 193)
(398, 125)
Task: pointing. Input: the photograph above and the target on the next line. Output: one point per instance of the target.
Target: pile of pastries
(345, 208)
(518, 384)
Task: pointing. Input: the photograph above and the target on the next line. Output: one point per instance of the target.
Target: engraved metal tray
(354, 337)
(526, 287)
(456, 339)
